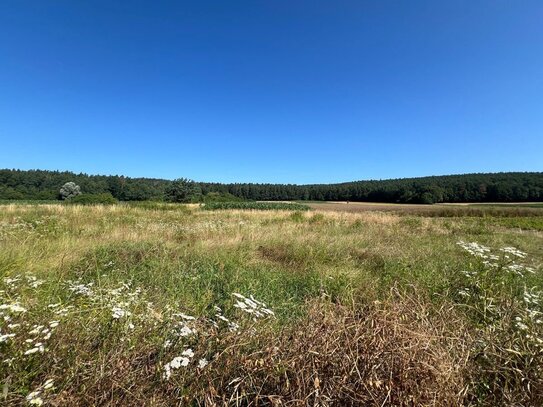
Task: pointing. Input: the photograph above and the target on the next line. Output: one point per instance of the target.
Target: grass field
(161, 304)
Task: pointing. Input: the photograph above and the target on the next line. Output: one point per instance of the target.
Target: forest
(490, 187)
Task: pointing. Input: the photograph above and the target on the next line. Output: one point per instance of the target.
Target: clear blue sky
(272, 91)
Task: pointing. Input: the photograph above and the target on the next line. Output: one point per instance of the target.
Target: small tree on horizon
(69, 190)
(182, 190)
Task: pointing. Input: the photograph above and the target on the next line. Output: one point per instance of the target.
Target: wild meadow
(170, 304)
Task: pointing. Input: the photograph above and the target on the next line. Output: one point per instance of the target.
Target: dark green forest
(496, 187)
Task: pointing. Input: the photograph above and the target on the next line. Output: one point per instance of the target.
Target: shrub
(220, 197)
(157, 206)
(262, 206)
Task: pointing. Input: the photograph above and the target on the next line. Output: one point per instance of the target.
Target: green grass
(28, 201)
(522, 223)
(511, 205)
(374, 293)
(260, 206)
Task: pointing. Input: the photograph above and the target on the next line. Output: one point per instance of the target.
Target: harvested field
(444, 210)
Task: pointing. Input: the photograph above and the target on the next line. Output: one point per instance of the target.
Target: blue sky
(272, 91)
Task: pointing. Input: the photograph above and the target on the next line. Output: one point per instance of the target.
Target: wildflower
(185, 316)
(490, 263)
(222, 318)
(118, 312)
(233, 327)
(475, 249)
(82, 289)
(202, 363)
(11, 281)
(522, 326)
(514, 251)
(5, 337)
(464, 292)
(177, 362)
(48, 384)
(516, 268)
(12, 307)
(34, 399)
(37, 329)
(34, 282)
(9, 361)
(38, 347)
(252, 306)
(64, 311)
(185, 330)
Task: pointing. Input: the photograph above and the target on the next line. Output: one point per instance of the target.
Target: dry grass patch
(400, 353)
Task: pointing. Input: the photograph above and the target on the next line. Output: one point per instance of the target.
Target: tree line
(494, 187)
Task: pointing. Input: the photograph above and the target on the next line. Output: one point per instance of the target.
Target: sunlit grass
(172, 302)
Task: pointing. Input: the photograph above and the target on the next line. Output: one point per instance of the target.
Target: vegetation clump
(260, 206)
(182, 190)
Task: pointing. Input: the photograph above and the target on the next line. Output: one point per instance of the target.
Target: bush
(182, 190)
(262, 206)
(427, 198)
(93, 199)
(221, 197)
